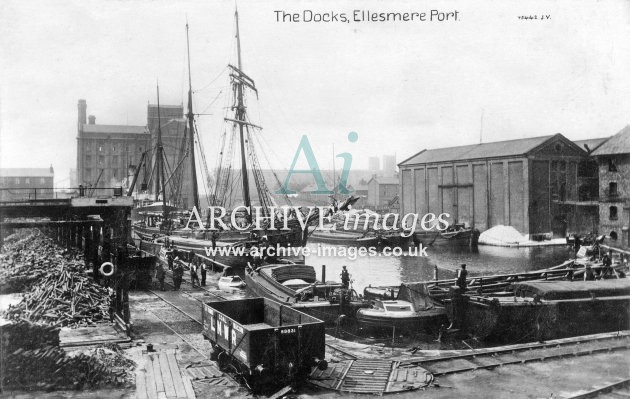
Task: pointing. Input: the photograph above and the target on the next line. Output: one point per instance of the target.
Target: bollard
(435, 273)
(323, 274)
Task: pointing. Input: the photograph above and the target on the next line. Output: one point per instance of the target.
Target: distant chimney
(51, 169)
(91, 119)
(82, 112)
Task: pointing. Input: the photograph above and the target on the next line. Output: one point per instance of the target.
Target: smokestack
(91, 119)
(82, 111)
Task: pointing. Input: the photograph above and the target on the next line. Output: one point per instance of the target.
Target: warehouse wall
(481, 193)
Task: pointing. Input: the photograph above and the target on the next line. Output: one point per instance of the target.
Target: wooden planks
(370, 376)
(86, 336)
(160, 378)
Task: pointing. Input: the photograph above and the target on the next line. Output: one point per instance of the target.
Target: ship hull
(506, 320)
(463, 238)
(425, 320)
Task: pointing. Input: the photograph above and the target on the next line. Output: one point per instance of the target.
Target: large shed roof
(617, 144)
(591, 144)
(497, 149)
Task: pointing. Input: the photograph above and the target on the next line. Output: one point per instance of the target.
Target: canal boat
(412, 310)
(380, 292)
(347, 238)
(455, 235)
(297, 286)
(543, 310)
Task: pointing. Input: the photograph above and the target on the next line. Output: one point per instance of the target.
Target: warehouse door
(464, 205)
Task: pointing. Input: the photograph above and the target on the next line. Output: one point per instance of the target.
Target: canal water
(382, 270)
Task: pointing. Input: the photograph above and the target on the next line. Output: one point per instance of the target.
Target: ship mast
(160, 163)
(240, 119)
(191, 129)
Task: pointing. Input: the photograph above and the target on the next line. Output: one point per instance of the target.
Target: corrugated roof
(113, 129)
(476, 151)
(385, 180)
(26, 172)
(617, 144)
(592, 144)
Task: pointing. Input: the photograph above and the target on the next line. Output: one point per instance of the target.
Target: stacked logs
(66, 297)
(29, 257)
(32, 358)
(57, 289)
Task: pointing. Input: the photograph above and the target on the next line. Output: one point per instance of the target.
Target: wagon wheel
(223, 360)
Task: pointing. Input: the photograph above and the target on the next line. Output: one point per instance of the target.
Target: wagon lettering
(288, 331)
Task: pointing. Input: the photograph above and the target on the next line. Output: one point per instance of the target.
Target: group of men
(195, 266)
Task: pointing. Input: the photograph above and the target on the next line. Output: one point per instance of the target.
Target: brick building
(531, 184)
(381, 191)
(108, 155)
(105, 152)
(26, 183)
(613, 158)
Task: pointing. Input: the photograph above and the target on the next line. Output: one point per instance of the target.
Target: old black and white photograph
(314, 199)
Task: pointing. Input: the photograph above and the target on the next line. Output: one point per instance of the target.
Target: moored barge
(297, 286)
(542, 310)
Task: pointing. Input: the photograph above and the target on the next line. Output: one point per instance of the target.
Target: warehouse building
(613, 159)
(381, 193)
(531, 184)
(26, 183)
(108, 155)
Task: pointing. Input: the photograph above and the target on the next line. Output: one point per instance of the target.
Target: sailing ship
(199, 239)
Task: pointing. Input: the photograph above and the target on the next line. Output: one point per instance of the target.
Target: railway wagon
(266, 342)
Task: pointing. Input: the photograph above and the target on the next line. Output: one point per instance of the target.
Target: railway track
(179, 320)
(536, 352)
(619, 389)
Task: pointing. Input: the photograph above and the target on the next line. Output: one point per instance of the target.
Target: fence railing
(36, 193)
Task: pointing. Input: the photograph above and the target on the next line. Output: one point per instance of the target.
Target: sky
(402, 86)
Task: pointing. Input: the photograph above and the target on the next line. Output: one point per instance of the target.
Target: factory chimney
(82, 112)
(91, 119)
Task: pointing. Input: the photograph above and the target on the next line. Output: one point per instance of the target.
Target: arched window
(612, 213)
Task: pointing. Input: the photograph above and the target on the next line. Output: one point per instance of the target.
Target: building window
(612, 213)
(27, 181)
(139, 149)
(101, 160)
(17, 180)
(612, 189)
(114, 148)
(88, 174)
(88, 159)
(115, 160)
(612, 165)
(100, 148)
(87, 148)
(42, 180)
(613, 235)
